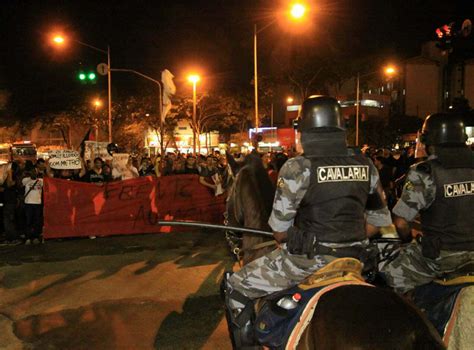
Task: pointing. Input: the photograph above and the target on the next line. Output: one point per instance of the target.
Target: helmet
(320, 112)
(443, 128)
(112, 148)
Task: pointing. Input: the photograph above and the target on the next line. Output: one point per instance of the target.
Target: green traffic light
(82, 76)
(91, 76)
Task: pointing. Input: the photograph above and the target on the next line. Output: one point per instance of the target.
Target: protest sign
(126, 207)
(93, 149)
(64, 159)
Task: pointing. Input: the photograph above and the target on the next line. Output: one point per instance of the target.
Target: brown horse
(348, 317)
(249, 205)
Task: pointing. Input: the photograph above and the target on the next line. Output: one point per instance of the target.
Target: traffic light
(87, 77)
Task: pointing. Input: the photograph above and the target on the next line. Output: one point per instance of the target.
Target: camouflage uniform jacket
(411, 268)
(280, 269)
(294, 181)
(419, 192)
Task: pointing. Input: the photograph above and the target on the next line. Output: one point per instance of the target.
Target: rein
(232, 239)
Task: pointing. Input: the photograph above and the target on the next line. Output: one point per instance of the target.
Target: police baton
(214, 226)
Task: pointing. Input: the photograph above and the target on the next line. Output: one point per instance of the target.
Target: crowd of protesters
(21, 192)
(392, 164)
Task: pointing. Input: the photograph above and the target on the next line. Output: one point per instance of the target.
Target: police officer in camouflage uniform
(326, 201)
(441, 190)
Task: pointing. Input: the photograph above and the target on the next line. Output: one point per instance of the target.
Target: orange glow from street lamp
(193, 78)
(390, 70)
(58, 39)
(297, 11)
(97, 103)
(289, 100)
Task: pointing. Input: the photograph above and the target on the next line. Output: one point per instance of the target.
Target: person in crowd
(158, 165)
(96, 174)
(107, 171)
(353, 207)
(440, 189)
(10, 204)
(201, 161)
(125, 172)
(146, 167)
(179, 165)
(225, 172)
(411, 156)
(234, 162)
(386, 179)
(191, 165)
(168, 161)
(42, 168)
(399, 163)
(275, 165)
(266, 160)
(33, 184)
(66, 174)
(209, 176)
(401, 166)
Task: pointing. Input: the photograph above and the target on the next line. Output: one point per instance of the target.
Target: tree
(131, 118)
(214, 112)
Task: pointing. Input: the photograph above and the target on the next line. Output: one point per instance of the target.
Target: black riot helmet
(112, 148)
(320, 113)
(444, 129)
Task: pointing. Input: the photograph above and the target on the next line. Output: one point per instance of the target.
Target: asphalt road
(130, 292)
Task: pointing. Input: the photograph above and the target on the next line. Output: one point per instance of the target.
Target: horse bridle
(232, 237)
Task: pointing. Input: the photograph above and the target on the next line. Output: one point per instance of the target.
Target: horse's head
(250, 198)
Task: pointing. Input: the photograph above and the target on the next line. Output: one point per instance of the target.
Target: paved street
(131, 292)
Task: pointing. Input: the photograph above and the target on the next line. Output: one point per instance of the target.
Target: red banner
(73, 209)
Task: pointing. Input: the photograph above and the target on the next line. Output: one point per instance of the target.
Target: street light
(194, 78)
(289, 100)
(97, 103)
(60, 40)
(389, 71)
(297, 12)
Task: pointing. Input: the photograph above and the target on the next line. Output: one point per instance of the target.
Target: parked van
(5, 153)
(24, 150)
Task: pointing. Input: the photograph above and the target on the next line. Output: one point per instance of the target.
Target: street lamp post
(255, 77)
(60, 40)
(97, 103)
(388, 71)
(109, 92)
(160, 102)
(297, 12)
(194, 78)
(357, 109)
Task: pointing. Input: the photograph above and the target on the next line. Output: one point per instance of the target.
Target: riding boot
(240, 316)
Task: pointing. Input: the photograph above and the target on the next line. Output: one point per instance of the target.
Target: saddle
(281, 328)
(339, 270)
(439, 299)
(462, 275)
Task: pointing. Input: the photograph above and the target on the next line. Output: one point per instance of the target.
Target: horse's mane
(256, 172)
(251, 198)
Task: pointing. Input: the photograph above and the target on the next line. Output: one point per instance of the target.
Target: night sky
(214, 37)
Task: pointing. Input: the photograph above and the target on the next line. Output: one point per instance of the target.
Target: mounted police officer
(325, 203)
(441, 190)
